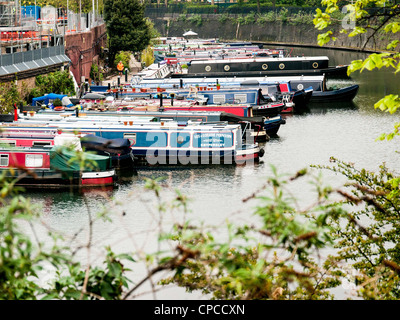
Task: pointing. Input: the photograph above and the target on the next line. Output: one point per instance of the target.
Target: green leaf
(355, 65)
(394, 27)
(321, 20)
(389, 103)
(324, 38)
(357, 31)
(392, 45)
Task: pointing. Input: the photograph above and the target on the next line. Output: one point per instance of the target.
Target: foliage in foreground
(367, 20)
(281, 254)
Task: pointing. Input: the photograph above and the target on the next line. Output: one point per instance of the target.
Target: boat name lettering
(205, 135)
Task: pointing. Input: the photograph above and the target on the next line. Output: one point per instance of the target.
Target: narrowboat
(274, 103)
(258, 125)
(260, 66)
(118, 149)
(166, 142)
(269, 85)
(55, 167)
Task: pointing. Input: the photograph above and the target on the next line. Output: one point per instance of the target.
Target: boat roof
(265, 79)
(103, 125)
(256, 59)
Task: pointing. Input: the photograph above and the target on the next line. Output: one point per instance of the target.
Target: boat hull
(272, 125)
(57, 180)
(248, 154)
(341, 95)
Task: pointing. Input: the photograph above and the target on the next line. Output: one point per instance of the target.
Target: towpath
(134, 66)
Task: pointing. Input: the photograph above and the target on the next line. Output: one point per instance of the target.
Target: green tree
(126, 25)
(9, 95)
(369, 19)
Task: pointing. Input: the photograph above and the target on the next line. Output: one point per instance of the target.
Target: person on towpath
(120, 68)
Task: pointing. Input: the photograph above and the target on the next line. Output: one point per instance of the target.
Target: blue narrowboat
(168, 142)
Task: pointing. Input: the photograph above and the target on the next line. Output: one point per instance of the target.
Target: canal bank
(296, 34)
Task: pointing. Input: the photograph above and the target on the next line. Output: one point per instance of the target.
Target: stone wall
(269, 33)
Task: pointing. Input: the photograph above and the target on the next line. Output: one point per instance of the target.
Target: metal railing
(28, 56)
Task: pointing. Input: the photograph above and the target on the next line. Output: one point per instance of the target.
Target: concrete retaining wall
(270, 32)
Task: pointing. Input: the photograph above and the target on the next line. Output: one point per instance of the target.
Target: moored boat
(273, 100)
(269, 84)
(260, 66)
(346, 94)
(165, 142)
(55, 167)
(257, 126)
(118, 149)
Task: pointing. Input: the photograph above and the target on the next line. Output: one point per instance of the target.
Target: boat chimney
(161, 108)
(15, 112)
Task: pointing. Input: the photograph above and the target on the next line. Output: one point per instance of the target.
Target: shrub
(124, 56)
(57, 102)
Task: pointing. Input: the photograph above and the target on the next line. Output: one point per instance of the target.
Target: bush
(57, 103)
(124, 56)
(95, 73)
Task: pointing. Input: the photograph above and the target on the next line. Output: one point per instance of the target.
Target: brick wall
(83, 48)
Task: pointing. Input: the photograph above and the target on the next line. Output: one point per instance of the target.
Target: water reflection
(347, 131)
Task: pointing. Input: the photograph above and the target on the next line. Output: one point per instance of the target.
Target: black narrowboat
(261, 66)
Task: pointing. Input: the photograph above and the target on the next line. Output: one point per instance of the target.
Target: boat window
(34, 160)
(240, 98)
(131, 137)
(41, 143)
(4, 160)
(11, 143)
(219, 98)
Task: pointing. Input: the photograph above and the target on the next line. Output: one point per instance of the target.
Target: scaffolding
(9, 13)
(24, 28)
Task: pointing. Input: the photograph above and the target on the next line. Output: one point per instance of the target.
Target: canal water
(347, 132)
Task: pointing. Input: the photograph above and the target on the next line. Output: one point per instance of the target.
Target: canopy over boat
(64, 160)
(93, 96)
(47, 97)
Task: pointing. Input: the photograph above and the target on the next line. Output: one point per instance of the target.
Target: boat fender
(261, 152)
(59, 108)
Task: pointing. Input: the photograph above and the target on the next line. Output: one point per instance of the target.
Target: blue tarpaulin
(46, 98)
